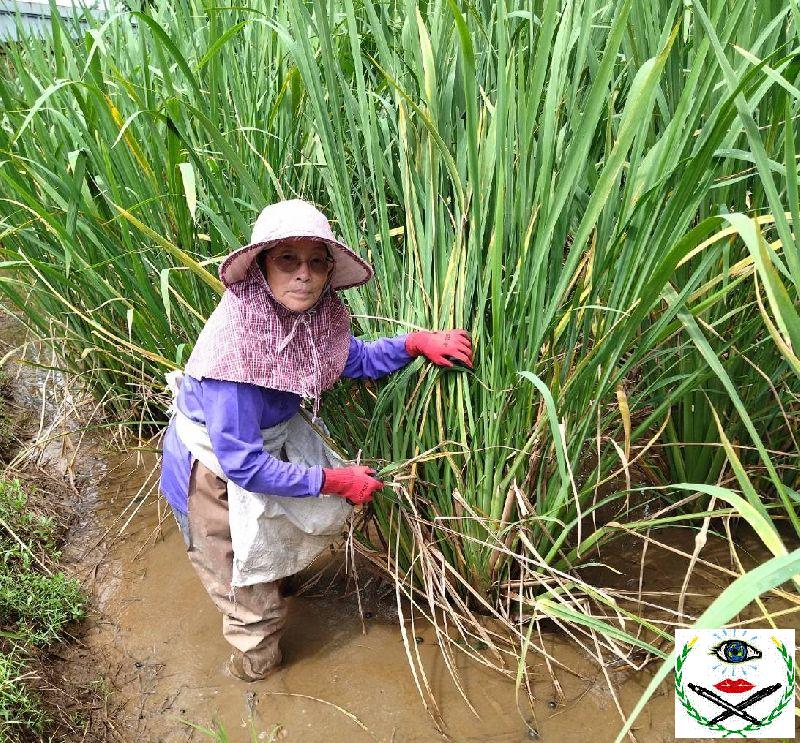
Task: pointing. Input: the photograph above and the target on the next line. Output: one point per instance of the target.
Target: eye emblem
(736, 651)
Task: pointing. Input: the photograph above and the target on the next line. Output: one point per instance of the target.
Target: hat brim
(348, 269)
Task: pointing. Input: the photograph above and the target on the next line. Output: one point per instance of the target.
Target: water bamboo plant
(589, 188)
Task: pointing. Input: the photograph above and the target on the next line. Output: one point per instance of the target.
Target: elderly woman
(256, 492)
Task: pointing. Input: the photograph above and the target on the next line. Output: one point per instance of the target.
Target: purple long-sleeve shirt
(234, 414)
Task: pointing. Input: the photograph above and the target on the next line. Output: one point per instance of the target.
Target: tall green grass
(556, 177)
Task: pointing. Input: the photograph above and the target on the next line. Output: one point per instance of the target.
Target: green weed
(36, 604)
(20, 708)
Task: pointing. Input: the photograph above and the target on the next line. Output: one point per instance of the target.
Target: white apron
(272, 536)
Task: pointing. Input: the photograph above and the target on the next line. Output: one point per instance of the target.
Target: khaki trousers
(254, 616)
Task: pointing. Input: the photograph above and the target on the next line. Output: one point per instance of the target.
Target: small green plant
(19, 707)
(35, 605)
(40, 605)
(23, 523)
(220, 734)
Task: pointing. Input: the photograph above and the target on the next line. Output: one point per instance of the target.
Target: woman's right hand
(353, 483)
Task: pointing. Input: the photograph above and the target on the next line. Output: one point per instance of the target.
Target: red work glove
(352, 483)
(437, 347)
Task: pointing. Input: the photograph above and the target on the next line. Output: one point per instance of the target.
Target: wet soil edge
(74, 684)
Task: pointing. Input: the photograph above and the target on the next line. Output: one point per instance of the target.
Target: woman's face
(297, 272)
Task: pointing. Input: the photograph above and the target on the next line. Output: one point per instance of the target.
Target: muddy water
(338, 683)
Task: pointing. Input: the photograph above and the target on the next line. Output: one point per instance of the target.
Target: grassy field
(604, 194)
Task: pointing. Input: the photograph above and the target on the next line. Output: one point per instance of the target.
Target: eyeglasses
(289, 263)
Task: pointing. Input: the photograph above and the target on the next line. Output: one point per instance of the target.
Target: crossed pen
(737, 710)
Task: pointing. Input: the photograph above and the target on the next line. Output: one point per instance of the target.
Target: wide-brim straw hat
(290, 219)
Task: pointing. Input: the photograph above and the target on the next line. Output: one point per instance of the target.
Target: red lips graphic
(732, 686)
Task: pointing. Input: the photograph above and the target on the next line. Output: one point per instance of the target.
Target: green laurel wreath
(717, 727)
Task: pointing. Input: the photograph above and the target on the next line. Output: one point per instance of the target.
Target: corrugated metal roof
(34, 15)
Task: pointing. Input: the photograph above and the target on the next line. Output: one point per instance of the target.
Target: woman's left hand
(440, 347)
